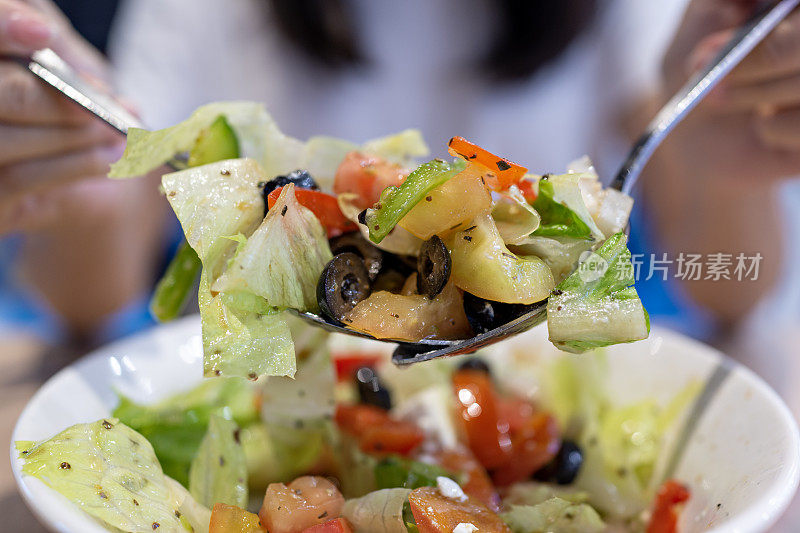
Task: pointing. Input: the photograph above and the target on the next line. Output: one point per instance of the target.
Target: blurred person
(538, 82)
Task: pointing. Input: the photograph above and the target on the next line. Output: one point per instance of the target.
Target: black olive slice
(564, 467)
(433, 267)
(357, 244)
(344, 282)
(301, 179)
(371, 390)
(485, 315)
(475, 363)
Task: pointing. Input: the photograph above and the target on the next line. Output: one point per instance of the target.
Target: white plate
(742, 460)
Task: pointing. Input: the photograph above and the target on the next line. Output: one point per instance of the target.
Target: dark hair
(528, 33)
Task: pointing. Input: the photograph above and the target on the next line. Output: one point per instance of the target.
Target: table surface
(27, 363)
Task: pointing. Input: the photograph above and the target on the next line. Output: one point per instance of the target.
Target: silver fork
(48, 66)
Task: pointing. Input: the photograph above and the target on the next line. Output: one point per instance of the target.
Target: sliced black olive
(475, 363)
(300, 178)
(564, 467)
(357, 244)
(371, 390)
(485, 315)
(433, 267)
(344, 282)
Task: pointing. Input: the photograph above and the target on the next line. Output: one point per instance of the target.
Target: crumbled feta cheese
(450, 489)
(465, 527)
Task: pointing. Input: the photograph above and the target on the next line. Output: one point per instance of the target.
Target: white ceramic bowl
(742, 459)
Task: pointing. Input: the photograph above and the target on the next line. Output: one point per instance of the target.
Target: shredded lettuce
(378, 512)
(283, 259)
(597, 304)
(561, 254)
(218, 473)
(401, 148)
(561, 206)
(243, 334)
(396, 202)
(111, 472)
(553, 516)
(534, 493)
(176, 425)
(621, 444)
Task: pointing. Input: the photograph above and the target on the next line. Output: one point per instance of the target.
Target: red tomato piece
(305, 502)
(347, 364)
(435, 513)
(477, 408)
(376, 431)
(527, 190)
(507, 173)
(367, 177)
(324, 206)
(533, 445)
(477, 484)
(232, 519)
(337, 525)
(669, 500)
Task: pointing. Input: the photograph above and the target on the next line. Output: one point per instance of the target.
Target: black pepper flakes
(470, 228)
(395, 315)
(107, 424)
(103, 495)
(719, 506)
(156, 525)
(429, 198)
(224, 172)
(217, 372)
(221, 461)
(283, 211)
(323, 515)
(502, 165)
(467, 238)
(252, 376)
(135, 502)
(177, 514)
(377, 227)
(65, 466)
(506, 254)
(556, 292)
(237, 433)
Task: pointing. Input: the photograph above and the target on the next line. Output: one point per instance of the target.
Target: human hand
(748, 128)
(45, 140)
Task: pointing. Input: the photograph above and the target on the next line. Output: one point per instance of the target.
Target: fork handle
(742, 43)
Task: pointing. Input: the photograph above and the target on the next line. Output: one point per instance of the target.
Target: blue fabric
(664, 300)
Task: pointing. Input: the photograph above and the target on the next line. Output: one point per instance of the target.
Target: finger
(20, 143)
(27, 212)
(26, 100)
(23, 29)
(778, 55)
(779, 93)
(32, 176)
(779, 129)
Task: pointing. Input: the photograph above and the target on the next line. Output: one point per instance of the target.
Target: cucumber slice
(215, 143)
(483, 266)
(597, 305)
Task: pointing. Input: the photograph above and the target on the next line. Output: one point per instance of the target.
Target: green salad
(353, 444)
(375, 238)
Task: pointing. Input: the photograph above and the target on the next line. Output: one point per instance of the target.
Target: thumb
(23, 29)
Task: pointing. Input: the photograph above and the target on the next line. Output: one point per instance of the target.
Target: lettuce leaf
(553, 516)
(514, 217)
(218, 473)
(283, 259)
(147, 150)
(243, 334)
(111, 472)
(563, 211)
(597, 304)
(622, 444)
(176, 425)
